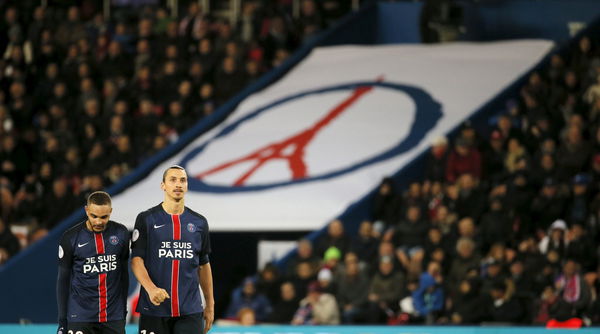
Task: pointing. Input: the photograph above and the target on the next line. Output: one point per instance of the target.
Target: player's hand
(158, 296)
(62, 327)
(209, 317)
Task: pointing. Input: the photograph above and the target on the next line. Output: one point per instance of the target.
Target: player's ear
(162, 185)
(86, 210)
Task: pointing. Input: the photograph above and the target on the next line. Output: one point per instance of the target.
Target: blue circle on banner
(427, 113)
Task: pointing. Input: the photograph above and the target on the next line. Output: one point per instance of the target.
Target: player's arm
(206, 281)
(63, 281)
(124, 263)
(157, 295)
(138, 252)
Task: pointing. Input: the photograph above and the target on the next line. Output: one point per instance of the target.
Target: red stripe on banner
(176, 227)
(175, 289)
(102, 315)
(99, 243)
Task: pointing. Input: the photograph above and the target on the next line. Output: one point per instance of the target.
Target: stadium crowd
(503, 228)
(84, 98)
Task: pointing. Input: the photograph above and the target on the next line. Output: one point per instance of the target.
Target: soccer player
(93, 274)
(170, 257)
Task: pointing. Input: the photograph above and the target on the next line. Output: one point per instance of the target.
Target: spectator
(573, 293)
(335, 237)
(385, 290)
(502, 307)
(496, 225)
(365, 245)
(577, 209)
(573, 153)
(352, 293)
(385, 206)
(305, 273)
(467, 304)
(326, 282)
(268, 283)
(9, 244)
(428, 299)
(60, 194)
(247, 296)
(467, 258)
(463, 159)
(317, 308)
(580, 247)
(547, 206)
(246, 316)
(285, 308)
(304, 253)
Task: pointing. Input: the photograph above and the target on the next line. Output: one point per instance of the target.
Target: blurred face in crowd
(547, 162)
(584, 44)
(386, 248)
(516, 269)
(435, 236)
(413, 214)
(465, 248)
(466, 227)
(570, 268)
(386, 266)
(304, 249)
(336, 229)
(304, 270)
(229, 65)
(249, 288)
(352, 268)
(366, 229)
(570, 79)
(288, 292)
(414, 190)
(549, 190)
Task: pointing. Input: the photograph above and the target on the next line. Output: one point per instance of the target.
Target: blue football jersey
(172, 247)
(96, 271)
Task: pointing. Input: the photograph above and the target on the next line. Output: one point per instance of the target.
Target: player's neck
(173, 207)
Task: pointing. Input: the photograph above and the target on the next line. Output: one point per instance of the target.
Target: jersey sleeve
(63, 281)
(139, 239)
(124, 258)
(205, 250)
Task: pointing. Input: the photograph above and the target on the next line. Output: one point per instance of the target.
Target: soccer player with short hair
(170, 258)
(93, 274)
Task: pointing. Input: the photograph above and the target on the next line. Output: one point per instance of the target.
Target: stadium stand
(85, 98)
(502, 229)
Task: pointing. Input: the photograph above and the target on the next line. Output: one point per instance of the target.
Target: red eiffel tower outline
(298, 141)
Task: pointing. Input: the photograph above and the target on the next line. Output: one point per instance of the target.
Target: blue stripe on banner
(131, 329)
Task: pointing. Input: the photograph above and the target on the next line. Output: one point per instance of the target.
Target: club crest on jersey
(191, 227)
(114, 240)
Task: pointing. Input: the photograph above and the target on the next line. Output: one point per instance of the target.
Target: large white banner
(298, 153)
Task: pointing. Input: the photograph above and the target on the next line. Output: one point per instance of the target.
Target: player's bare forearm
(157, 295)
(206, 283)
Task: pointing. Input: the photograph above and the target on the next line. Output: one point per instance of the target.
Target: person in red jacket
(463, 159)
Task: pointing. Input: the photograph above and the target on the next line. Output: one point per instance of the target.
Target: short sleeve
(205, 250)
(139, 237)
(125, 251)
(65, 252)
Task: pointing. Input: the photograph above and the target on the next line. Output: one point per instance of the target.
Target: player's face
(98, 216)
(175, 184)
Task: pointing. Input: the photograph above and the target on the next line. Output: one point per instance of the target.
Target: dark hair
(171, 167)
(99, 198)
